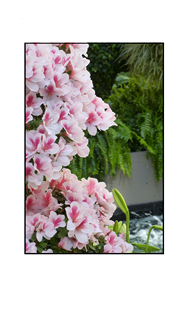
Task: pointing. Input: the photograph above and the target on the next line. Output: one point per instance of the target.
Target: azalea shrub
(65, 214)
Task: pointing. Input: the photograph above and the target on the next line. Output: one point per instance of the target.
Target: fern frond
(143, 142)
(102, 144)
(146, 125)
(123, 131)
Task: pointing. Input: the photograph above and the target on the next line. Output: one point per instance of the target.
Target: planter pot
(142, 186)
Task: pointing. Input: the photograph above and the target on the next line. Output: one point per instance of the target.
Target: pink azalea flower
(60, 80)
(46, 202)
(48, 145)
(30, 173)
(53, 89)
(50, 122)
(66, 176)
(75, 215)
(33, 142)
(126, 247)
(92, 121)
(82, 148)
(42, 164)
(31, 205)
(74, 196)
(47, 251)
(78, 67)
(34, 102)
(28, 116)
(88, 94)
(90, 184)
(71, 187)
(32, 222)
(72, 129)
(57, 219)
(45, 229)
(82, 232)
(64, 150)
(37, 75)
(81, 48)
(66, 243)
(42, 130)
(113, 243)
(30, 247)
(79, 245)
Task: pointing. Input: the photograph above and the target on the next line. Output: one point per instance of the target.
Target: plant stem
(152, 227)
(127, 226)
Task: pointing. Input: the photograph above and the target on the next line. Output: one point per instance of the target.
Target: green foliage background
(139, 105)
(104, 66)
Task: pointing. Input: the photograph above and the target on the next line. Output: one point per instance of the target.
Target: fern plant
(139, 105)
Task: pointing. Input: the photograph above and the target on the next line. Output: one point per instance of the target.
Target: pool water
(139, 228)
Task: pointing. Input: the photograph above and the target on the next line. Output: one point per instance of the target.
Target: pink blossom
(92, 121)
(30, 173)
(47, 251)
(79, 245)
(36, 75)
(60, 80)
(28, 116)
(113, 243)
(78, 67)
(50, 122)
(81, 48)
(75, 215)
(126, 247)
(57, 219)
(33, 142)
(82, 232)
(66, 243)
(82, 148)
(34, 102)
(32, 222)
(71, 187)
(64, 151)
(45, 229)
(30, 247)
(45, 202)
(54, 88)
(90, 184)
(48, 145)
(74, 196)
(42, 164)
(72, 129)
(66, 176)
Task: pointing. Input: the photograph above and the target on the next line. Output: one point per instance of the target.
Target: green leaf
(42, 244)
(143, 247)
(122, 78)
(62, 232)
(91, 246)
(33, 238)
(39, 249)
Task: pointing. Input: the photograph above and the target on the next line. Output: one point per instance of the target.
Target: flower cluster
(60, 98)
(64, 214)
(83, 215)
